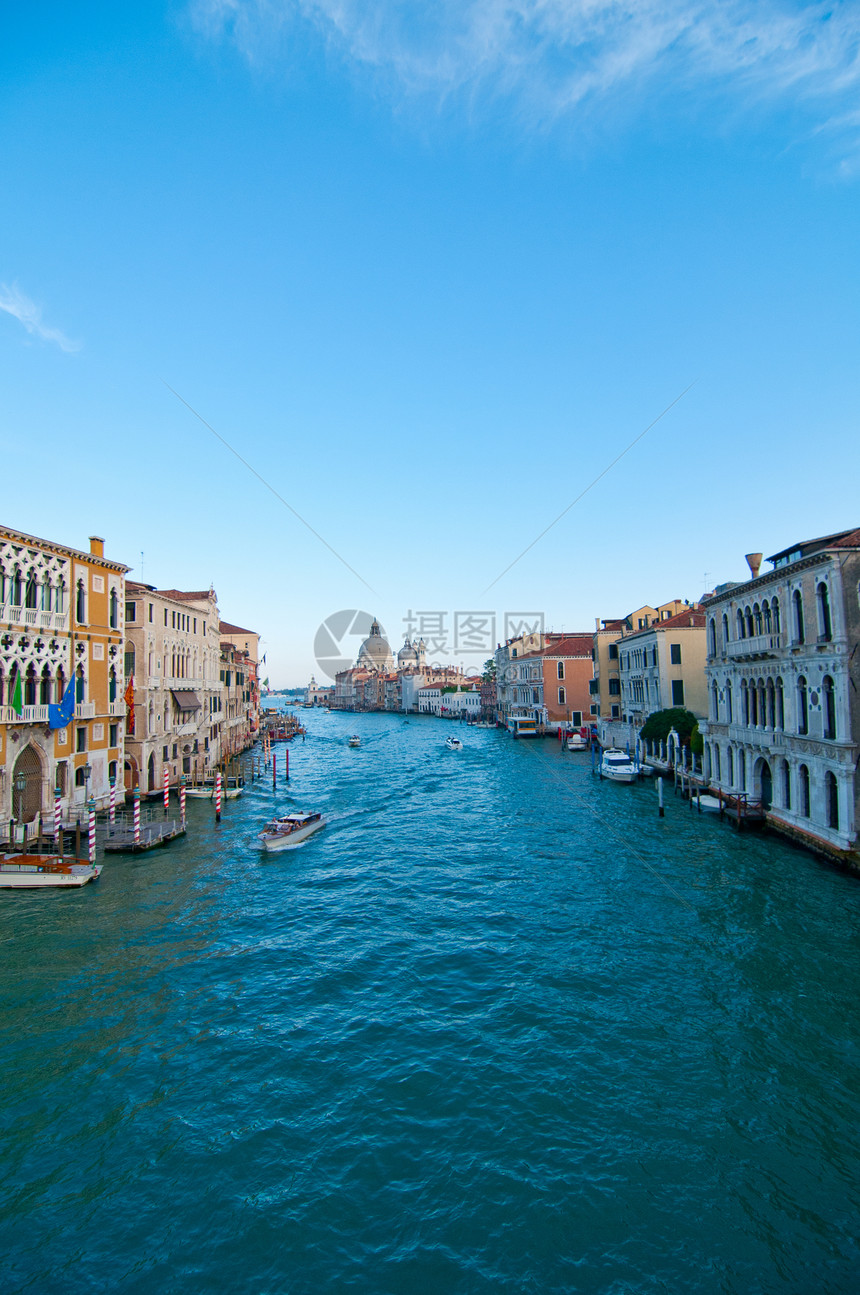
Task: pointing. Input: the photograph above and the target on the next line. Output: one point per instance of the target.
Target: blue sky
(430, 269)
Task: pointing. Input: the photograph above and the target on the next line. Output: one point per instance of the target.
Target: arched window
(825, 625)
(61, 685)
(753, 705)
(765, 611)
(742, 770)
(715, 701)
(745, 702)
(30, 599)
(60, 600)
(802, 706)
(779, 722)
(829, 707)
(770, 721)
(831, 793)
(113, 610)
(81, 603)
(774, 611)
(748, 622)
(80, 685)
(45, 686)
(717, 762)
(757, 622)
(2, 585)
(731, 767)
(741, 628)
(786, 785)
(112, 684)
(725, 629)
(729, 715)
(46, 594)
(797, 603)
(762, 707)
(803, 790)
(15, 590)
(712, 637)
(30, 686)
(2, 685)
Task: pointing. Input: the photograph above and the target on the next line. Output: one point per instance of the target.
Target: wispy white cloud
(556, 56)
(15, 303)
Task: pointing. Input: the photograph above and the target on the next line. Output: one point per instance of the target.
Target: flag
(128, 698)
(17, 702)
(64, 712)
(263, 662)
(265, 683)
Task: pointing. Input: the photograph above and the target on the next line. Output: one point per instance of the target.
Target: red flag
(128, 698)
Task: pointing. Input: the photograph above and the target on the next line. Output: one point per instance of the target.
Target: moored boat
(574, 742)
(230, 789)
(289, 831)
(34, 871)
(617, 766)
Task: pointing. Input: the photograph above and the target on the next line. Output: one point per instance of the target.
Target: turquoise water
(497, 1028)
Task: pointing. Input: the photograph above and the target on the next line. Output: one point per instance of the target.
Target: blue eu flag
(62, 715)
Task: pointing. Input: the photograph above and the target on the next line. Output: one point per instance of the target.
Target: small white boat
(354, 741)
(617, 766)
(454, 744)
(34, 871)
(707, 803)
(575, 742)
(289, 831)
(206, 790)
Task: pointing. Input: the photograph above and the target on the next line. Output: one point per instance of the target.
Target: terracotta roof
(849, 541)
(184, 596)
(687, 619)
(227, 628)
(838, 540)
(568, 645)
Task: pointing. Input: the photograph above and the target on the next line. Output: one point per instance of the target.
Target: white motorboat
(354, 741)
(454, 744)
(617, 766)
(33, 871)
(206, 790)
(707, 804)
(289, 831)
(575, 742)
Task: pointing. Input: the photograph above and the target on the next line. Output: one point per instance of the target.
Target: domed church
(412, 656)
(374, 653)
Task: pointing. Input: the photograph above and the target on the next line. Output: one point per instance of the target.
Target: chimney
(97, 546)
(753, 562)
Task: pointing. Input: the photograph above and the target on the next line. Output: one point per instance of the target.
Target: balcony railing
(32, 617)
(765, 738)
(85, 710)
(29, 715)
(760, 645)
(118, 708)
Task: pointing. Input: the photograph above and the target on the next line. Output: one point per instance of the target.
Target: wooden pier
(120, 836)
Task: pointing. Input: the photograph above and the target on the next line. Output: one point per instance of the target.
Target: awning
(185, 700)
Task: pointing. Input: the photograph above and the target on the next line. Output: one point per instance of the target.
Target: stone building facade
(61, 624)
(783, 674)
(173, 658)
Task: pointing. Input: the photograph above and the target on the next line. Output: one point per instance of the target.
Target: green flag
(265, 683)
(17, 702)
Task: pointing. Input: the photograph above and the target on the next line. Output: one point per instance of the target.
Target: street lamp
(20, 787)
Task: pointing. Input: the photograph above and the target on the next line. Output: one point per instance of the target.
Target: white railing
(85, 710)
(32, 616)
(29, 715)
(759, 645)
(118, 708)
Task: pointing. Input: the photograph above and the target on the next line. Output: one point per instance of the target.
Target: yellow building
(62, 713)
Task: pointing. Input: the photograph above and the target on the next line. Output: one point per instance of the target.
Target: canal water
(497, 1028)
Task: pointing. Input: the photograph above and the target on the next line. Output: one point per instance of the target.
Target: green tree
(658, 726)
(489, 672)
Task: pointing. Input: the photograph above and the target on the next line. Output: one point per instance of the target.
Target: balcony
(85, 710)
(29, 715)
(761, 645)
(32, 617)
(766, 739)
(118, 709)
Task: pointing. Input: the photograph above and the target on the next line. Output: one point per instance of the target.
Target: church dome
(374, 653)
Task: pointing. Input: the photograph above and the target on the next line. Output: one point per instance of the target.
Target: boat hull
(38, 876)
(208, 793)
(275, 844)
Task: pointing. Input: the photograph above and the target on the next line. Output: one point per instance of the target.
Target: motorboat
(33, 871)
(617, 766)
(287, 832)
(231, 788)
(575, 742)
(454, 744)
(706, 803)
(354, 741)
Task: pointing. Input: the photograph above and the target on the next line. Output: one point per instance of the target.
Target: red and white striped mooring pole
(182, 799)
(218, 797)
(91, 834)
(57, 813)
(113, 800)
(166, 789)
(136, 813)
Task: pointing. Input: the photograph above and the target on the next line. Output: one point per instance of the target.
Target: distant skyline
(429, 270)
